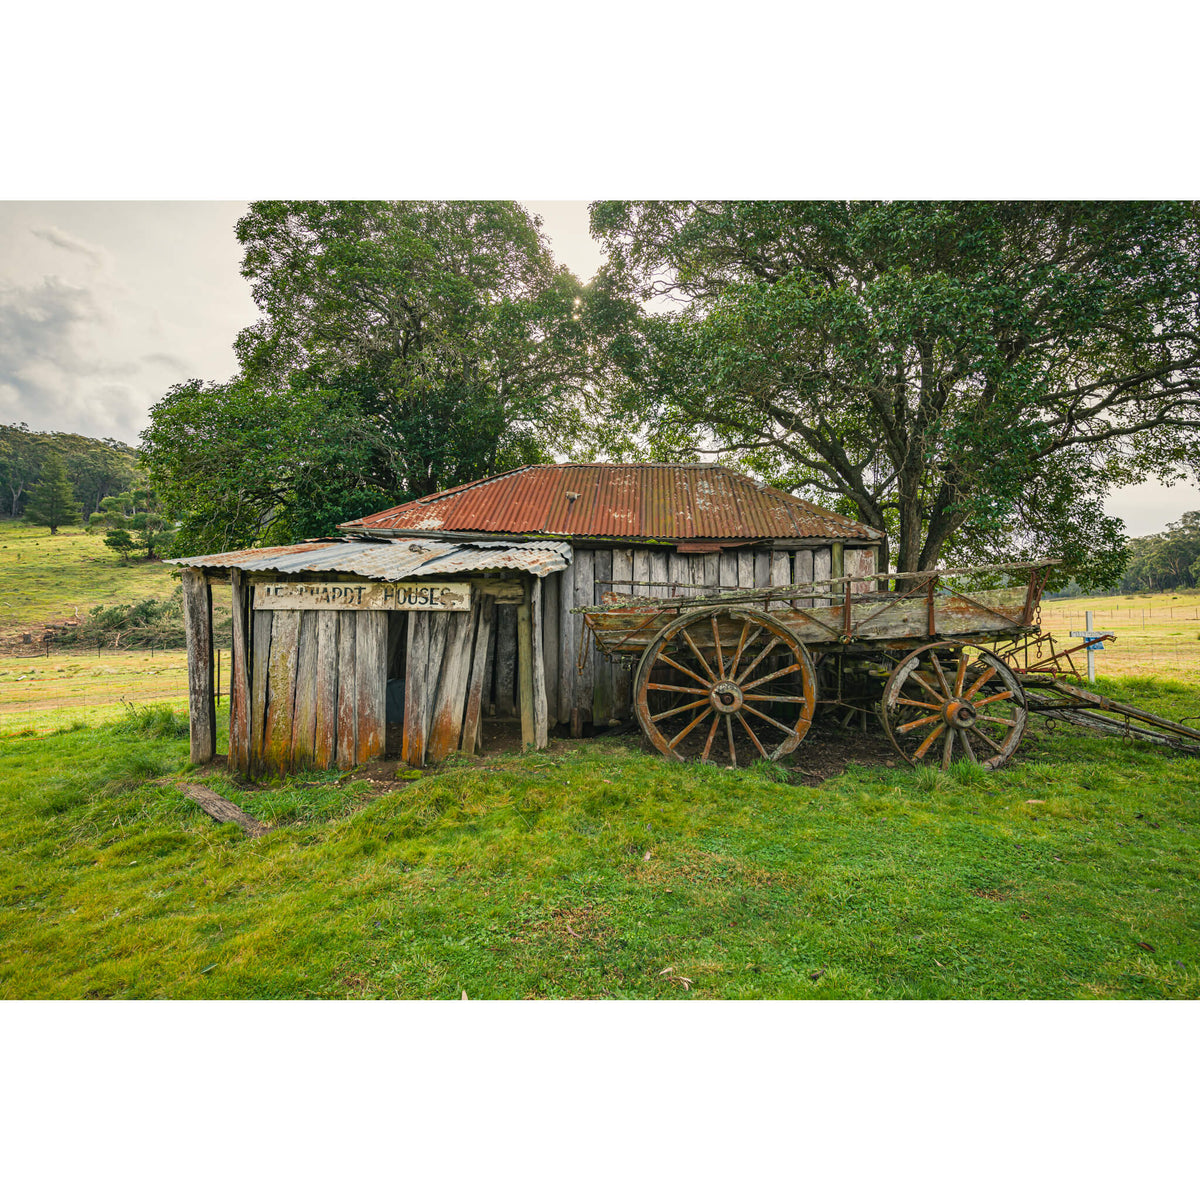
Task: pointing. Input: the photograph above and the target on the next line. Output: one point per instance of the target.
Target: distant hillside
(96, 467)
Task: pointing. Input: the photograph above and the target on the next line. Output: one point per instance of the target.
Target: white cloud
(73, 245)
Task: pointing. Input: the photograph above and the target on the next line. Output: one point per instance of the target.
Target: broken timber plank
(219, 808)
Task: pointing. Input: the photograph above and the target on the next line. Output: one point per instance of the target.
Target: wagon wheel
(949, 700)
(724, 682)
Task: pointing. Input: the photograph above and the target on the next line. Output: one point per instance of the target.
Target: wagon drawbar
(947, 671)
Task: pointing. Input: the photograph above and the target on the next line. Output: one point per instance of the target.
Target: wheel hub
(725, 696)
(959, 714)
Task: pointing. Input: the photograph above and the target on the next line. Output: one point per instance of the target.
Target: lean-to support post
(202, 705)
(525, 669)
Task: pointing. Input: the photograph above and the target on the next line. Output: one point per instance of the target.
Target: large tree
(52, 500)
(405, 347)
(965, 376)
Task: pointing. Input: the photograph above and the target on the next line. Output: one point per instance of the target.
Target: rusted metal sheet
(395, 559)
(662, 501)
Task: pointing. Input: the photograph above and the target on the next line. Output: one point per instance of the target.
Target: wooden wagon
(950, 673)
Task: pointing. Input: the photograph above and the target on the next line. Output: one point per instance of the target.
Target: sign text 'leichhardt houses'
(441, 597)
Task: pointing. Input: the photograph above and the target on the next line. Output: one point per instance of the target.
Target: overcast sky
(103, 306)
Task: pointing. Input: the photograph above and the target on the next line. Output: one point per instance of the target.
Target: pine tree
(52, 501)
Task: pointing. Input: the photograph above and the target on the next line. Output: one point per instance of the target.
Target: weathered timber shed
(344, 649)
(647, 529)
(314, 672)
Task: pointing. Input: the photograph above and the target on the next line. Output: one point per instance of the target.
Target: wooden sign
(439, 597)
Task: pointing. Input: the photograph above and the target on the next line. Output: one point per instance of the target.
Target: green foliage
(970, 378)
(404, 348)
(52, 500)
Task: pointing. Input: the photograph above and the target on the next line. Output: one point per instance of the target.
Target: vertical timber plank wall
(821, 570)
(281, 692)
(260, 658)
(202, 705)
(622, 670)
(412, 747)
(581, 692)
(304, 720)
(325, 732)
(370, 666)
(506, 659)
(780, 574)
(239, 688)
(473, 717)
(448, 675)
(745, 569)
(347, 699)
(602, 669)
(568, 634)
(803, 573)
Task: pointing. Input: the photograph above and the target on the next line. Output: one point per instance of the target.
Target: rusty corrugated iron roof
(402, 558)
(640, 501)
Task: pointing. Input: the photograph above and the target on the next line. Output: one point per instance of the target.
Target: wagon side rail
(835, 613)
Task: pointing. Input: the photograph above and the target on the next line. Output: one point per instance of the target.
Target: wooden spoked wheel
(725, 685)
(950, 701)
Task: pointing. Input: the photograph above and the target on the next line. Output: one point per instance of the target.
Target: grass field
(597, 871)
(47, 578)
(1157, 634)
(591, 870)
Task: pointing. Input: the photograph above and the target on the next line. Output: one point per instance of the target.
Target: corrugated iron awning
(402, 558)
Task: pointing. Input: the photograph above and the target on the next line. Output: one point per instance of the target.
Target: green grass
(47, 577)
(596, 871)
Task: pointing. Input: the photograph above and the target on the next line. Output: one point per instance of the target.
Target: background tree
(95, 468)
(404, 348)
(120, 540)
(1167, 560)
(51, 501)
(965, 377)
(139, 514)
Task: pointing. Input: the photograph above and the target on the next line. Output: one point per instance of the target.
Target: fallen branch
(221, 809)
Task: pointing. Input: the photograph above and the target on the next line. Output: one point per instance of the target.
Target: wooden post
(837, 568)
(239, 681)
(479, 675)
(525, 669)
(506, 656)
(541, 720)
(550, 643)
(568, 643)
(202, 707)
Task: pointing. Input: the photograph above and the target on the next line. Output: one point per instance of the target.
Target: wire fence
(47, 691)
